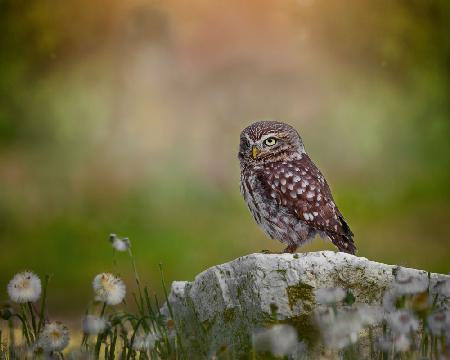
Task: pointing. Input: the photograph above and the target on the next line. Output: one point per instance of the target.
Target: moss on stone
(302, 293)
(306, 328)
(229, 315)
(355, 278)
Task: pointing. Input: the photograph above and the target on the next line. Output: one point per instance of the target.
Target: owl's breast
(265, 209)
(258, 202)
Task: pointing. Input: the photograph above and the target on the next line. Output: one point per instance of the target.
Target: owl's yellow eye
(270, 141)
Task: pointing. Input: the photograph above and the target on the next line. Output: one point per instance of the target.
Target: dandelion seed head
(342, 332)
(390, 299)
(24, 287)
(341, 328)
(280, 340)
(384, 343)
(329, 295)
(438, 322)
(93, 325)
(407, 282)
(119, 244)
(370, 315)
(324, 316)
(144, 342)
(109, 289)
(398, 343)
(403, 322)
(402, 343)
(54, 337)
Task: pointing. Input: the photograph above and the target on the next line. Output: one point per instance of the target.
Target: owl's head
(268, 141)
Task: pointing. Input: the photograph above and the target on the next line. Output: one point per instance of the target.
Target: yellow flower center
(55, 334)
(24, 283)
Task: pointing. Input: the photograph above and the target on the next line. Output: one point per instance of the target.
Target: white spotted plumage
(285, 192)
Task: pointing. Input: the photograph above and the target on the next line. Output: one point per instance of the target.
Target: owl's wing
(301, 189)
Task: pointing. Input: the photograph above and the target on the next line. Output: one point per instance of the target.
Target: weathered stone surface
(225, 303)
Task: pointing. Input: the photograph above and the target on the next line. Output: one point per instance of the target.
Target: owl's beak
(255, 151)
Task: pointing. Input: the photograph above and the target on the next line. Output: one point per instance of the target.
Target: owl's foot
(266, 252)
(290, 249)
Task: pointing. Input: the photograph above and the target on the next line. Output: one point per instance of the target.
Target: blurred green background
(124, 117)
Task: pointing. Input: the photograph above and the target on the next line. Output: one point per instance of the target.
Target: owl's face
(268, 141)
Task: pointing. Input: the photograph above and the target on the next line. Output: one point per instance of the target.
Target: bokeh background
(124, 116)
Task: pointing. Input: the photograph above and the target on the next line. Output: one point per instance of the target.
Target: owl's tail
(344, 241)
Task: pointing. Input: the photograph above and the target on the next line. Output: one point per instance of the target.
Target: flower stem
(102, 313)
(98, 344)
(43, 303)
(33, 318)
(25, 325)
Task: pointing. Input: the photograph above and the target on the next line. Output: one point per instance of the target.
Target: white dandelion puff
(324, 316)
(385, 343)
(407, 282)
(24, 287)
(403, 322)
(329, 295)
(343, 331)
(144, 342)
(280, 340)
(402, 343)
(109, 289)
(93, 325)
(438, 322)
(390, 299)
(119, 244)
(398, 343)
(370, 315)
(54, 337)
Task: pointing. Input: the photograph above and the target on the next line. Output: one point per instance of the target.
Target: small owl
(286, 193)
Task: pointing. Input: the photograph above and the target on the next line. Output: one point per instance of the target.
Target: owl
(286, 193)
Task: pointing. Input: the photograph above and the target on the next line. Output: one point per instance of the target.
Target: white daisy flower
(280, 340)
(329, 295)
(93, 325)
(25, 287)
(54, 337)
(144, 342)
(109, 289)
(407, 282)
(403, 322)
(118, 243)
(438, 322)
